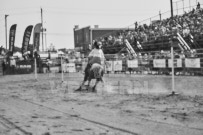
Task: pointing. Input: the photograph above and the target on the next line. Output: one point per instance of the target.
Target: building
(83, 37)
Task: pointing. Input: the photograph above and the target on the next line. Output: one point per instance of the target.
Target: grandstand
(156, 36)
(152, 41)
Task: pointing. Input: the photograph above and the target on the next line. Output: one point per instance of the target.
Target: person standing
(13, 64)
(4, 67)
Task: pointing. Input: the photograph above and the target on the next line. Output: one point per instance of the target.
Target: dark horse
(95, 72)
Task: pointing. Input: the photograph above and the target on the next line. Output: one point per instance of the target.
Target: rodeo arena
(148, 80)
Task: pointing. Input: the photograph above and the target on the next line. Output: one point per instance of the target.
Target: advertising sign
(159, 63)
(109, 66)
(177, 63)
(117, 65)
(132, 63)
(192, 63)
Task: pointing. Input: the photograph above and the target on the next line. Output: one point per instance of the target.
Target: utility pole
(183, 6)
(45, 34)
(160, 15)
(42, 30)
(171, 9)
(177, 7)
(6, 29)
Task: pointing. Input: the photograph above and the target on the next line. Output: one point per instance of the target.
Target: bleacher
(156, 37)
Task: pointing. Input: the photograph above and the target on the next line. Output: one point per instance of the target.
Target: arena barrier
(186, 66)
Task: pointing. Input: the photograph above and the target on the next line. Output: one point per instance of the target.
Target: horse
(95, 72)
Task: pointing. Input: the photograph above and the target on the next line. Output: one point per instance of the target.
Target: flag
(36, 36)
(26, 38)
(12, 38)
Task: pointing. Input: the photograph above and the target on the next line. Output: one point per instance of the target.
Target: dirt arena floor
(48, 106)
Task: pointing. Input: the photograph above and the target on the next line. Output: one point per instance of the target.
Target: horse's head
(97, 70)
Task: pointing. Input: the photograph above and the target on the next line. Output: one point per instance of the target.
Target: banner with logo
(26, 39)
(177, 63)
(36, 36)
(69, 67)
(117, 65)
(159, 63)
(132, 63)
(192, 63)
(12, 38)
(109, 66)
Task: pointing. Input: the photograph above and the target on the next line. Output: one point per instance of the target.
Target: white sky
(60, 16)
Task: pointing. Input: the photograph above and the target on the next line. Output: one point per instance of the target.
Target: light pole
(6, 29)
(177, 7)
(183, 6)
(171, 9)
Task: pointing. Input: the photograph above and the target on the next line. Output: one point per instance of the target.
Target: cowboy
(95, 56)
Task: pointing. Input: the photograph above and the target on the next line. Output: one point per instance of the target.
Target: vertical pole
(171, 9)
(35, 69)
(45, 39)
(183, 6)
(172, 61)
(6, 29)
(42, 30)
(160, 15)
(61, 69)
(177, 7)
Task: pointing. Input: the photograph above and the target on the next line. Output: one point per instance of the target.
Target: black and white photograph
(101, 67)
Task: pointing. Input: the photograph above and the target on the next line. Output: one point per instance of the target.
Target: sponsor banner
(192, 63)
(36, 36)
(26, 39)
(132, 63)
(177, 63)
(69, 67)
(44, 55)
(159, 63)
(117, 65)
(109, 66)
(24, 66)
(12, 38)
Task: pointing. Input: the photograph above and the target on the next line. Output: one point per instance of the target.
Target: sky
(60, 16)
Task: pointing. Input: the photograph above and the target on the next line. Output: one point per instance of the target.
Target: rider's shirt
(97, 56)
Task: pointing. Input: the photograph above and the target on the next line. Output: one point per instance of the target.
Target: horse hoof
(94, 89)
(79, 89)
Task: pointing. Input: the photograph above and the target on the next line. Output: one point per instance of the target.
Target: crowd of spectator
(188, 23)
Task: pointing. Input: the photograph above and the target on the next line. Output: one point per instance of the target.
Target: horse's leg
(95, 85)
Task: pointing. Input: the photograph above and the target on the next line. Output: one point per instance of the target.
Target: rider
(95, 56)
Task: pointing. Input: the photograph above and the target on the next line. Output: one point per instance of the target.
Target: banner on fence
(132, 63)
(117, 65)
(177, 63)
(159, 63)
(192, 63)
(70, 67)
(109, 66)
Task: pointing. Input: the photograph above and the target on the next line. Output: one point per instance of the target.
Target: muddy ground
(49, 106)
